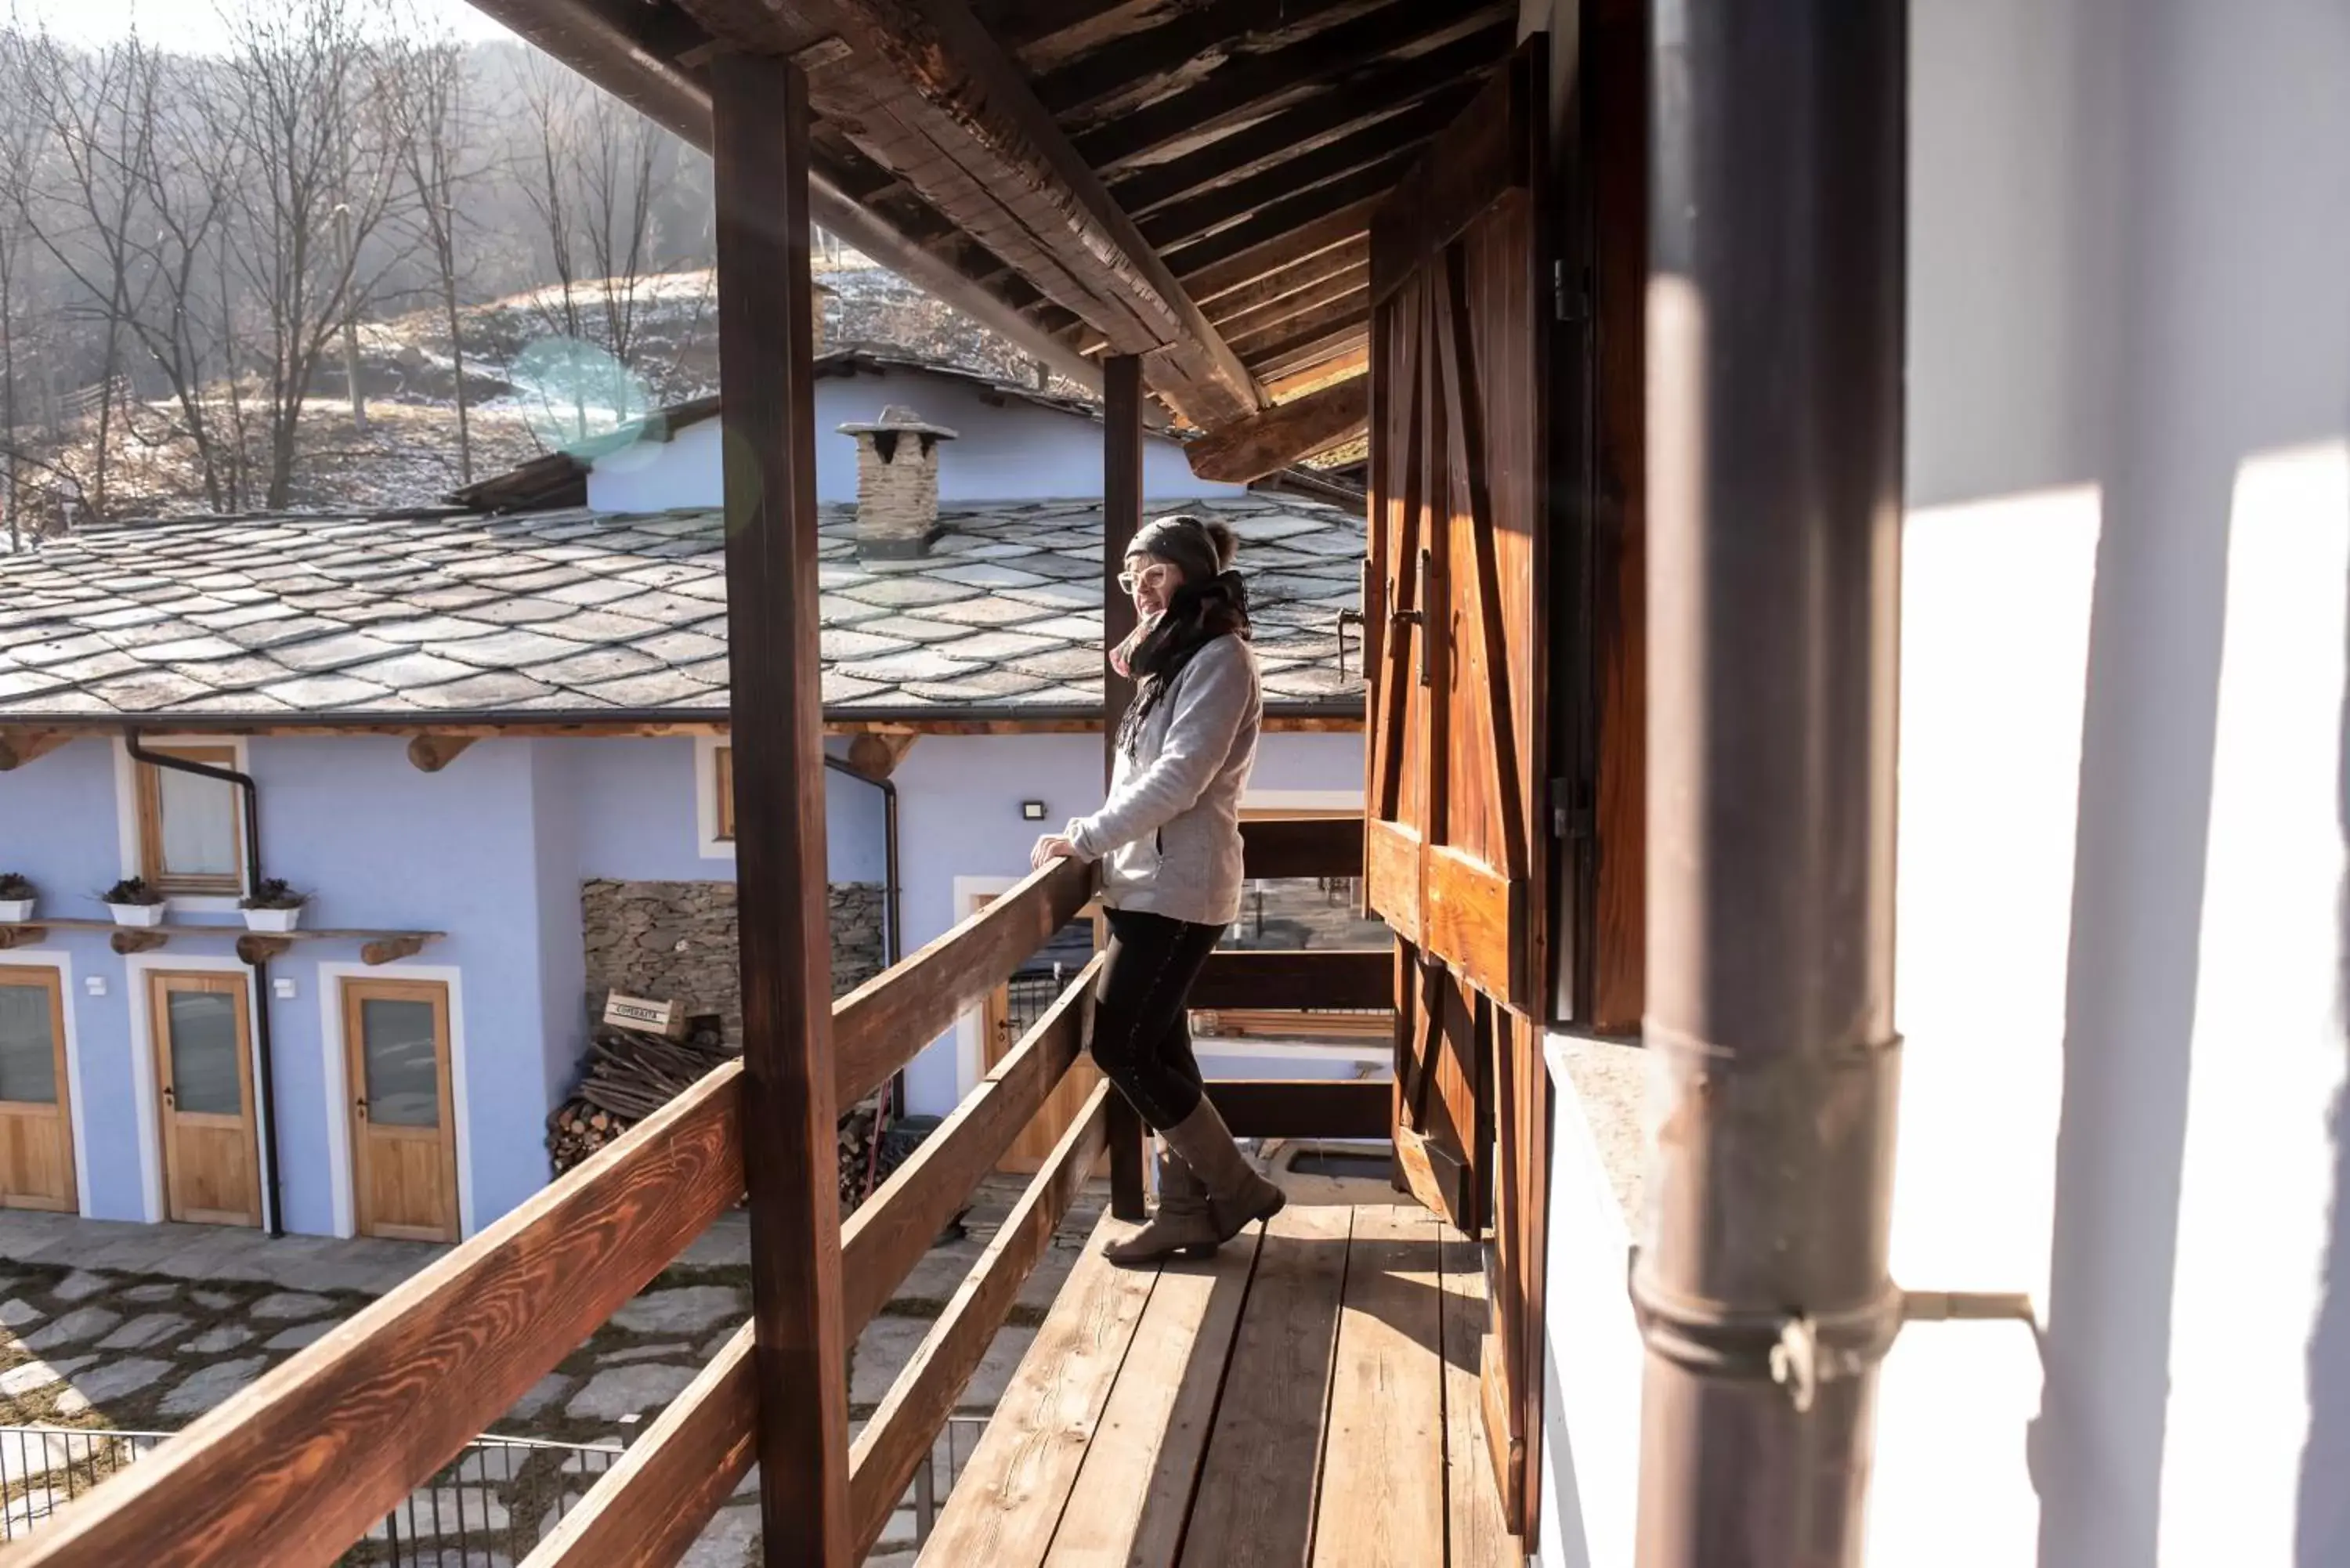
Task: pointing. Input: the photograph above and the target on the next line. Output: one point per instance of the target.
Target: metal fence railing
(492, 1502)
(954, 1446)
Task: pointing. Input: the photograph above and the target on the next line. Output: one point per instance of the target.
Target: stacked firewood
(630, 1075)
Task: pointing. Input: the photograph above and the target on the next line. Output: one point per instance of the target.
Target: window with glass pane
(725, 770)
(400, 1041)
(204, 1047)
(188, 825)
(29, 1045)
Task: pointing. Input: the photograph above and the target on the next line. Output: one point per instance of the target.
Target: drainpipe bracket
(1796, 1349)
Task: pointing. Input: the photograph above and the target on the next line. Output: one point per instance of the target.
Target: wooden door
(1460, 593)
(1457, 621)
(201, 1027)
(403, 1117)
(36, 1163)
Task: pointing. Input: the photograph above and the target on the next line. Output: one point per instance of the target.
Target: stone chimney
(897, 483)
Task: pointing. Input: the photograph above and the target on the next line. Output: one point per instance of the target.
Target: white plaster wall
(1014, 451)
(2122, 867)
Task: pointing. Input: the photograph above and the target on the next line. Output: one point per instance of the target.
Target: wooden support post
(759, 148)
(1121, 519)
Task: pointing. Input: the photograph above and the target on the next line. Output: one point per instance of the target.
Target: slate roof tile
(576, 611)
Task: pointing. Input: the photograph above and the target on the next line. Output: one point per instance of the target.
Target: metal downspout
(893, 946)
(262, 1046)
(1775, 316)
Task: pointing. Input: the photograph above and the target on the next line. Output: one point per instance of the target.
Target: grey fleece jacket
(1172, 827)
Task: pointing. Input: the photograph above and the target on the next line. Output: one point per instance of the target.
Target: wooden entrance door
(203, 1032)
(36, 1165)
(403, 1119)
(1459, 599)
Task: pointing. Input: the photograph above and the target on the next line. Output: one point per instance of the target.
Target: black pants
(1142, 1031)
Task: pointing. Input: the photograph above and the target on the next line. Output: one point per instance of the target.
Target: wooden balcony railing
(295, 1468)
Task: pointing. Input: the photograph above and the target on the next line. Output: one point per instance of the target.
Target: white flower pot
(139, 914)
(15, 911)
(273, 919)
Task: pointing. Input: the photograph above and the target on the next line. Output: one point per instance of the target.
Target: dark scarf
(1161, 647)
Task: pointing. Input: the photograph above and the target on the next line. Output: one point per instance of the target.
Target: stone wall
(676, 940)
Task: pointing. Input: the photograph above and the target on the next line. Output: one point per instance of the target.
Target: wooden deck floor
(1308, 1397)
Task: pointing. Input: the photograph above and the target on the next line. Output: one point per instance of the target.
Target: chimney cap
(898, 417)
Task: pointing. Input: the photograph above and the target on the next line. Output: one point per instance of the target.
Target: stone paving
(143, 1328)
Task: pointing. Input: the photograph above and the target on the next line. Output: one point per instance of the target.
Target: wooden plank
(1121, 521)
(881, 1025)
(897, 1441)
(888, 1234)
(1476, 918)
(1254, 1505)
(1383, 1483)
(1154, 1434)
(1290, 304)
(295, 1467)
(1330, 333)
(1010, 1495)
(1389, 139)
(1392, 879)
(1300, 977)
(1301, 845)
(1486, 154)
(1476, 1535)
(759, 144)
(1278, 251)
(1303, 1107)
(646, 1510)
(1263, 444)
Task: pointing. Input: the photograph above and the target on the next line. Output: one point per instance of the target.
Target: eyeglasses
(1155, 575)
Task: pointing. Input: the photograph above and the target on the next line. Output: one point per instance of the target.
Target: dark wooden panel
(1277, 220)
(1329, 978)
(759, 150)
(646, 1510)
(880, 1026)
(888, 1234)
(1304, 1107)
(297, 1468)
(1288, 307)
(1310, 347)
(1487, 153)
(1121, 519)
(1239, 198)
(896, 1440)
(1303, 847)
(1129, 72)
(1278, 251)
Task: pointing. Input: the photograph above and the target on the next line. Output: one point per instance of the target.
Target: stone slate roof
(576, 614)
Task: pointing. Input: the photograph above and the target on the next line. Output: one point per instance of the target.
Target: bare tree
(434, 140)
(313, 120)
(19, 147)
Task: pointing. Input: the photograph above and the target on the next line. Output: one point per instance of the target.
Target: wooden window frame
(721, 770)
(149, 785)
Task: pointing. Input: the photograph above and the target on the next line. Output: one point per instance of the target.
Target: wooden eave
(1190, 181)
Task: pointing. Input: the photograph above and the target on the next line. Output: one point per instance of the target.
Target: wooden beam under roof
(1382, 143)
(624, 47)
(1293, 213)
(1151, 62)
(1310, 347)
(925, 92)
(1210, 281)
(1267, 443)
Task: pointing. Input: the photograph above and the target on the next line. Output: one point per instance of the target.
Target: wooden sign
(641, 1012)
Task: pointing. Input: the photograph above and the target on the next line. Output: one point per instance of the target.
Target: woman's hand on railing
(1051, 847)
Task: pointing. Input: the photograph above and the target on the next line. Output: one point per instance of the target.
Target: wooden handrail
(897, 1440)
(295, 1467)
(882, 1024)
(1303, 846)
(882, 1241)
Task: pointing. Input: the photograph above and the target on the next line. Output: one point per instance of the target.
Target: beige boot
(1181, 1223)
(1237, 1195)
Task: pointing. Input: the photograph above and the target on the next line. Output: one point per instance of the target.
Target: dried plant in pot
(133, 903)
(16, 895)
(273, 907)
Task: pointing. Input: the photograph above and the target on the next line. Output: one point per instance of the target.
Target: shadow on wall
(2321, 1533)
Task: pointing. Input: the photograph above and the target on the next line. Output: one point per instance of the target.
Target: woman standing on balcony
(1170, 836)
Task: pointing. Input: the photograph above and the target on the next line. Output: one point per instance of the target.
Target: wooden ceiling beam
(999, 150)
(605, 41)
(1259, 84)
(20, 745)
(1267, 443)
(1312, 348)
(1275, 287)
(1389, 139)
(1352, 306)
(1210, 281)
(1450, 74)
(1151, 62)
(1254, 323)
(1297, 383)
(1289, 216)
